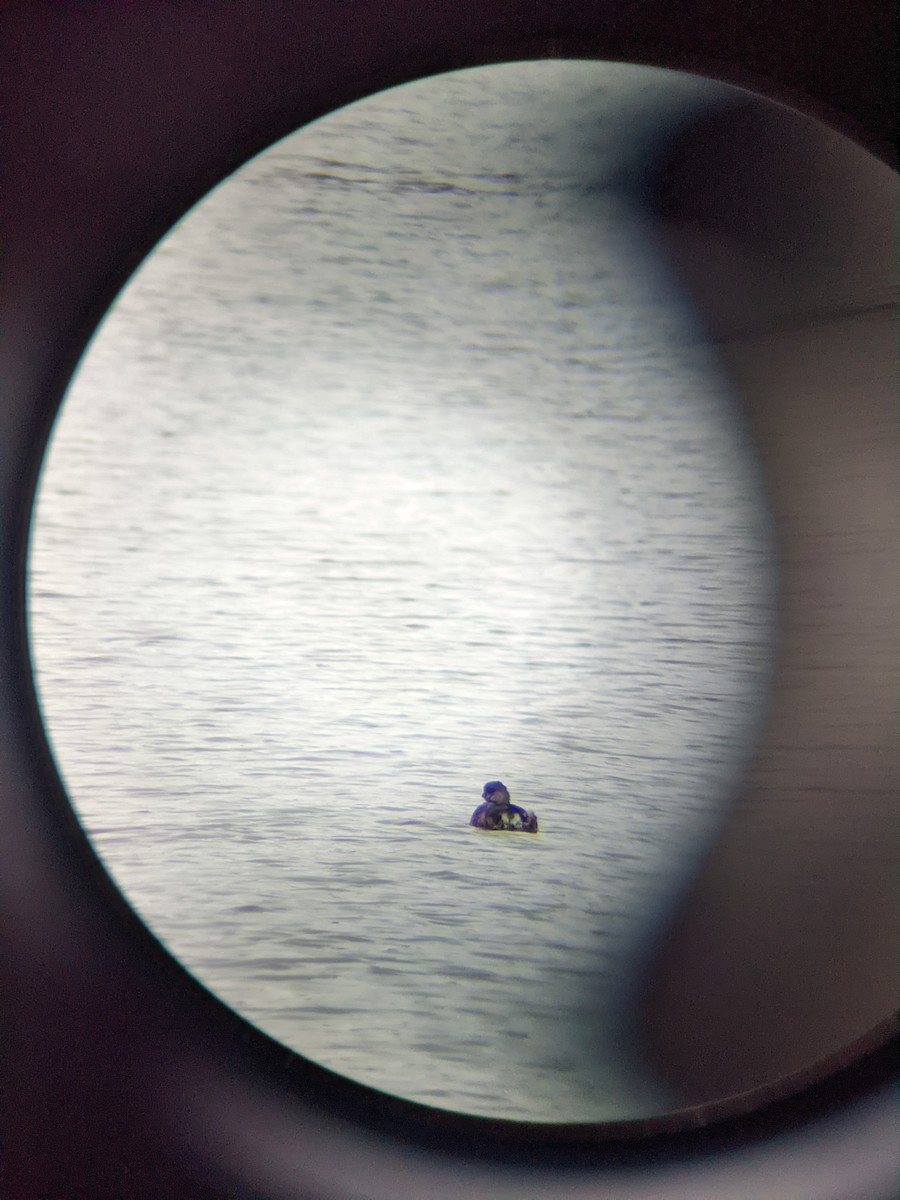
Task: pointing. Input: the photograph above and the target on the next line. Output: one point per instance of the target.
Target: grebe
(498, 813)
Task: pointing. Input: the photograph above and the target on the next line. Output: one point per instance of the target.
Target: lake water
(402, 465)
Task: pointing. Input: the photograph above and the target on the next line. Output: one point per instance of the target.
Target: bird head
(496, 792)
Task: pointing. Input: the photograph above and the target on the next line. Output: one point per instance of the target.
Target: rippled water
(401, 466)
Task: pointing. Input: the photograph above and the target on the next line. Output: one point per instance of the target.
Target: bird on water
(496, 811)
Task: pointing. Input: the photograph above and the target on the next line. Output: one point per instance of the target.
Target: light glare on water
(400, 466)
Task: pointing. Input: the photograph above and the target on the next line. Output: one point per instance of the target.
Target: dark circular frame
(122, 118)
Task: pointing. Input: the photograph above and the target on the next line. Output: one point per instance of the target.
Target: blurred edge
(788, 948)
(116, 118)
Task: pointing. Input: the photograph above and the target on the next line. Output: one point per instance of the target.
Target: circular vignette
(22, 719)
(132, 546)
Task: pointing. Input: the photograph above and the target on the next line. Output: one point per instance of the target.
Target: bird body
(496, 812)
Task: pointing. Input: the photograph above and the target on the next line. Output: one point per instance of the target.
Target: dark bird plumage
(496, 812)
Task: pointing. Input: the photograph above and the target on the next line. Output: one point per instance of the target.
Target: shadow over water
(783, 959)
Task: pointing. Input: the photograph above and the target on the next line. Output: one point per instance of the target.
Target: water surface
(401, 465)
